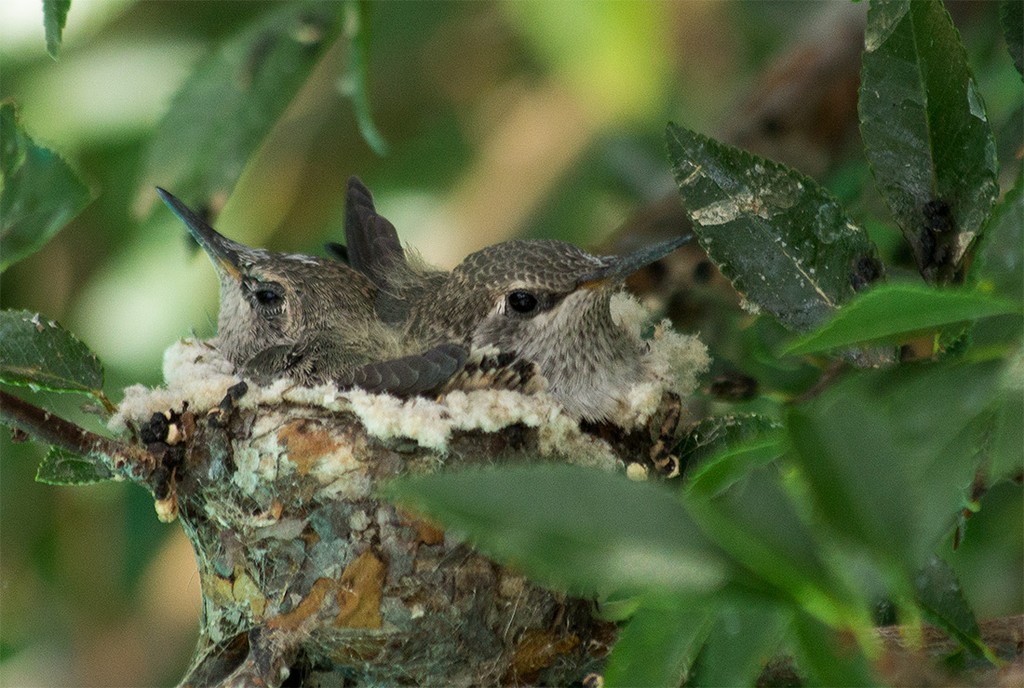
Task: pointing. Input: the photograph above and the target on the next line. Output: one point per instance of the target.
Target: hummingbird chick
(547, 301)
(374, 249)
(309, 319)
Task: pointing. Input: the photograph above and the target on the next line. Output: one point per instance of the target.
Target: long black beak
(621, 267)
(224, 253)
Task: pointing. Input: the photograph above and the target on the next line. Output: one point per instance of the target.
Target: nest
(306, 572)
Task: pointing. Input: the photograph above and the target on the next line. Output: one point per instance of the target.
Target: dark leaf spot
(703, 272)
(772, 126)
(734, 386)
(867, 270)
(938, 216)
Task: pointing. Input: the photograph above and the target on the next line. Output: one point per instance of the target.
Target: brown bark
(122, 458)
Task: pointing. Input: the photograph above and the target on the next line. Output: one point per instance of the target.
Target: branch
(902, 664)
(1004, 635)
(126, 459)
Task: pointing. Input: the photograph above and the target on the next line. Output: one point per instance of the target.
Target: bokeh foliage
(849, 504)
(263, 128)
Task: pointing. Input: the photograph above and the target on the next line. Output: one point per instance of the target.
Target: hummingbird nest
(303, 569)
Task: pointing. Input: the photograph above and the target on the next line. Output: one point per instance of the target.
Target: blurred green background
(502, 119)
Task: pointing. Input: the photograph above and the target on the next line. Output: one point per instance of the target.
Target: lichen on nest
(279, 496)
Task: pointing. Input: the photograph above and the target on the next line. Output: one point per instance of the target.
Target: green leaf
(1007, 447)
(39, 193)
(942, 600)
(355, 82)
(1000, 263)
(756, 522)
(740, 643)
(926, 132)
(733, 462)
(999, 269)
(55, 14)
(830, 658)
(784, 241)
(712, 435)
(657, 645)
(777, 377)
(1011, 15)
(41, 354)
(894, 313)
(580, 529)
(230, 103)
(60, 467)
(618, 606)
(890, 455)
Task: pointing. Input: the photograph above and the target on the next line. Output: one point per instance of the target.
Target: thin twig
(130, 460)
(830, 375)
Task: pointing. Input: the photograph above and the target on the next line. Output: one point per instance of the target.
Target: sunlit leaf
(55, 14)
(942, 600)
(926, 132)
(39, 193)
(40, 353)
(230, 103)
(657, 645)
(897, 312)
(580, 529)
(784, 241)
(629, 44)
(60, 467)
(1011, 15)
(355, 83)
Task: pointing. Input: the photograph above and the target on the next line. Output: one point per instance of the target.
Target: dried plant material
(278, 491)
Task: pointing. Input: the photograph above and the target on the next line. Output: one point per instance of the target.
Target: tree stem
(126, 459)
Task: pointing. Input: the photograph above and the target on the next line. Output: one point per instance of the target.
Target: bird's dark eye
(522, 302)
(267, 297)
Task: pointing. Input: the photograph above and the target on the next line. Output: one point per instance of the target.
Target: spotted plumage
(547, 302)
(310, 319)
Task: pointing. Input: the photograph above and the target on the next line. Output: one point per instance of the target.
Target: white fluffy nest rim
(195, 372)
